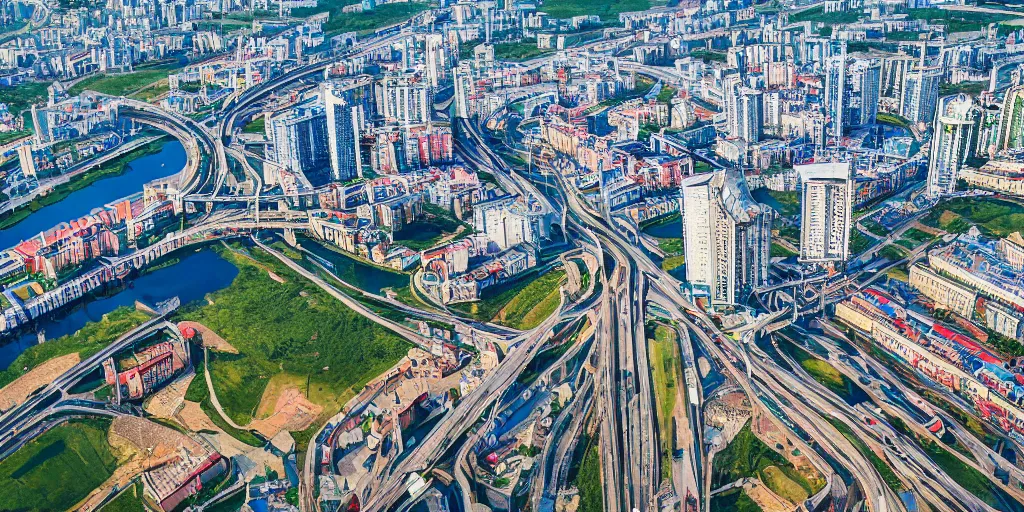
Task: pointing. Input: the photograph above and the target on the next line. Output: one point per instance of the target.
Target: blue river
(171, 159)
(197, 273)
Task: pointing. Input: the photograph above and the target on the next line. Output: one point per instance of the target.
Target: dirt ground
(210, 338)
(166, 402)
(192, 417)
(18, 391)
(766, 499)
(771, 435)
(291, 411)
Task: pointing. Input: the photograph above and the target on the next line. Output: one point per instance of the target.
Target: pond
(364, 276)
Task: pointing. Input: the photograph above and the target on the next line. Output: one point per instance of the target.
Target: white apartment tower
(826, 205)
(956, 127)
(727, 237)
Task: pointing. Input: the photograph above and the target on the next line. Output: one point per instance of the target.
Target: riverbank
(110, 169)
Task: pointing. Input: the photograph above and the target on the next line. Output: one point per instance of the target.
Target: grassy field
(257, 125)
(87, 341)
(588, 480)
(914, 238)
(708, 55)
(782, 251)
(291, 331)
(959, 21)
(893, 120)
(438, 224)
(747, 457)
(859, 242)
(124, 83)
(9, 136)
(59, 468)
(789, 202)
(363, 22)
(609, 11)
(821, 371)
(673, 262)
(818, 14)
(995, 217)
(892, 252)
(198, 392)
(972, 88)
(734, 500)
(666, 368)
(519, 51)
(112, 168)
(23, 96)
(531, 305)
(130, 500)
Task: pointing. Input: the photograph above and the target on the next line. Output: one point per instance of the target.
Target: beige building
(1012, 249)
(946, 293)
(998, 176)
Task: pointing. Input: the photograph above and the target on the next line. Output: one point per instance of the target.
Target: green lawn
(111, 168)
(875, 228)
(588, 478)
(524, 50)
(959, 21)
(782, 251)
(130, 500)
(533, 304)
(9, 136)
(708, 55)
(746, 456)
(789, 202)
(995, 217)
(859, 242)
(59, 468)
(673, 262)
(90, 339)
(608, 11)
(292, 331)
(123, 83)
(23, 96)
(199, 392)
(971, 88)
(893, 120)
(734, 500)
(821, 370)
(437, 224)
(817, 14)
(363, 22)
(666, 368)
(495, 299)
(257, 125)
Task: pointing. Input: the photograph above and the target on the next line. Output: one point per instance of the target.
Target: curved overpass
(196, 141)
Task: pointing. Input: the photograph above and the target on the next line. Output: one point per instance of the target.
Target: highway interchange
(619, 394)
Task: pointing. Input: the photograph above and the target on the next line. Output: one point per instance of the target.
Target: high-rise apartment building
(920, 94)
(299, 139)
(863, 90)
(826, 200)
(750, 115)
(403, 98)
(346, 105)
(956, 126)
(727, 237)
(1011, 121)
(835, 95)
